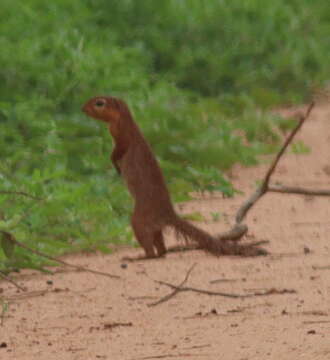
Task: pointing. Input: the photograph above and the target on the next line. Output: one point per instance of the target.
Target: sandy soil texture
(82, 316)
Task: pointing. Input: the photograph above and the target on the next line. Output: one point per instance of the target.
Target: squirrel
(134, 160)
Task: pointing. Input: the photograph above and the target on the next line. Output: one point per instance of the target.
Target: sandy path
(74, 319)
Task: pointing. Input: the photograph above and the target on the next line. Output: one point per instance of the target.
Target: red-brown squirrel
(135, 161)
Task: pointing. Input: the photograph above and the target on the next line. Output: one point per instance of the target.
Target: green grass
(197, 75)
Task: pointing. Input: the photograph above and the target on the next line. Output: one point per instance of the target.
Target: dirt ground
(84, 316)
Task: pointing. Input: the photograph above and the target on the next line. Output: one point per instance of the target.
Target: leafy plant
(199, 77)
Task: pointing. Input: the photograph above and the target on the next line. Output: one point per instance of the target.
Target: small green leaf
(215, 216)
(7, 244)
(300, 148)
(195, 216)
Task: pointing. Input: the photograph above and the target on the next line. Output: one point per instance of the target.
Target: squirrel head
(106, 108)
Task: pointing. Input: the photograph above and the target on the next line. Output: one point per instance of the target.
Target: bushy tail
(216, 246)
(189, 233)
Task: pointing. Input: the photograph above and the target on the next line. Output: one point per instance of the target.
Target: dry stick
(78, 267)
(223, 280)
(235, 233)
(297, 190)
(200, 291)
(224, 294)
(7, 278)
(110, 326)
(264, 185)
(316, 267)
(179, 288)
(316, 322)
(167, 297)
(181, 355)
(239, 229)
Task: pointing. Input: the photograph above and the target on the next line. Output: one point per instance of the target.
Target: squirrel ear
(119, 105)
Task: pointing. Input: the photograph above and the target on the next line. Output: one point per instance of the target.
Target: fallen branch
(180, 355)
(297, 190)
(239, 229)
(181, 288)
(169, 296)
(223, 280)
(11, 238)
(316, 267)
(263, 188)
(235, 233)
(110, 326)
(317, 322)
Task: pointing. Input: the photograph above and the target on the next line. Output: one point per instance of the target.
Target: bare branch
(264, 185)
(243, 210)
(239, 229)
(230, 295)
(164, 356)
(297, 190)
(316, 267)
(181, 288)
(302, 119)
(169, 296)
(235, 233)
(317, 322)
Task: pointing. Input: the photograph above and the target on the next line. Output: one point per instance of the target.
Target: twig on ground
(171, 356)
(297, 190)
(7, 278)
(224, 280)
(39, 253)
(173, 293)
(317, 322)
(181, 288)
(235, 233)
(110, 326)
(316, 267)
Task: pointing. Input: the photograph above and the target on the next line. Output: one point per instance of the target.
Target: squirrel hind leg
(148, 239)
(159, 243)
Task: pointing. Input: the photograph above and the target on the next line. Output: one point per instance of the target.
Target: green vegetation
(197, 75)
(300, 148)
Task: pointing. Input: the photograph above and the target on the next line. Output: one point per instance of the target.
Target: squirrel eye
(100, 103)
